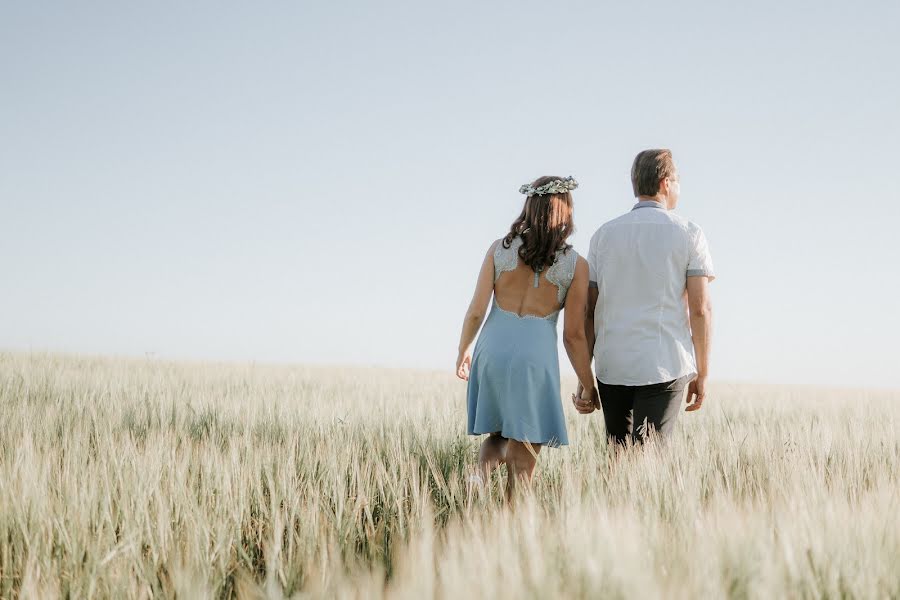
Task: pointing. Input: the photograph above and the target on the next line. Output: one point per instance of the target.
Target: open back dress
(514, 386)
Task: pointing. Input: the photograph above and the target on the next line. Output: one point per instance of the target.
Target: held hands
(696, 394)
(463, 364)
(586, 401)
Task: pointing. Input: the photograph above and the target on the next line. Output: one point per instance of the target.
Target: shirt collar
(649, 204)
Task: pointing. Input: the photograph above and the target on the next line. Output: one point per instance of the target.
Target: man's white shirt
(640, 263)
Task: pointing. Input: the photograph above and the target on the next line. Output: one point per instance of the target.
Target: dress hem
(551, 443)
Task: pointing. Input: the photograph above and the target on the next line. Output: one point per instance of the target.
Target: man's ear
(664, 186)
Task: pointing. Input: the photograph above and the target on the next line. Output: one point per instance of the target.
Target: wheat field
(127, 478)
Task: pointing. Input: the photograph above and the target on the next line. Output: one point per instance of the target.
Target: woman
(513, 374)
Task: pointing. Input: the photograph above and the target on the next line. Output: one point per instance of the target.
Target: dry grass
(143, 479)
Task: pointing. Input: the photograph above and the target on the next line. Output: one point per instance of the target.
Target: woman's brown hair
(544, 225)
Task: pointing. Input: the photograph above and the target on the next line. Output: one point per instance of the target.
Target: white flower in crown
(557, 186)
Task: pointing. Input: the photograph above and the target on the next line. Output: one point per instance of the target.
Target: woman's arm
(574, 337)
(484, 287)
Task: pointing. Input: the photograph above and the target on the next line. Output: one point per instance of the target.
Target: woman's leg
(521, 457)
(492, 454)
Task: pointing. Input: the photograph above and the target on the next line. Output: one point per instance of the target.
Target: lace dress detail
(562, 272)
(506, 259)
(551, 317)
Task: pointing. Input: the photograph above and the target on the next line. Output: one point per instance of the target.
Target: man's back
(640, 263)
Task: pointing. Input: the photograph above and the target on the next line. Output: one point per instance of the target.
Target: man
(648, 343)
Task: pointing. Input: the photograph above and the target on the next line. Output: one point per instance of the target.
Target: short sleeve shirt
(640, 263)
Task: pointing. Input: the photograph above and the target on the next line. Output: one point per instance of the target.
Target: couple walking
(639, 304)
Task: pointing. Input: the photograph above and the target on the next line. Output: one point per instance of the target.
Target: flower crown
(557, 186)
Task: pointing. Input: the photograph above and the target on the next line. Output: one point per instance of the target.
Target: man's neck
(661, 199)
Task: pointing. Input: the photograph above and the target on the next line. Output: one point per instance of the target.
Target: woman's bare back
(519, 290)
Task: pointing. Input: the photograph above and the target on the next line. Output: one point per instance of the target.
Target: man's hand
(696, 394)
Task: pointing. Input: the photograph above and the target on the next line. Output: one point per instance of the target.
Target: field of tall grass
(141, 478)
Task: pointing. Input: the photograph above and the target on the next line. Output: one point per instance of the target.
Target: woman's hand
(463, 364)
(586, 401)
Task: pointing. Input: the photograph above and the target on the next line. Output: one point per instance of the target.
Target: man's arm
(700, 311)
(589, 309)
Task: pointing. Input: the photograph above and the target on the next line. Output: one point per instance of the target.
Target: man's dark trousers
(631, 411)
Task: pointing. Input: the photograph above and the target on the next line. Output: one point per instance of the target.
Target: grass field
(138, 479)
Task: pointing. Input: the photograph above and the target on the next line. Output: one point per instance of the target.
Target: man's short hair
(649, 168)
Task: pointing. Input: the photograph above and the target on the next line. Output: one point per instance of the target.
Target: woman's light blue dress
(514, 386)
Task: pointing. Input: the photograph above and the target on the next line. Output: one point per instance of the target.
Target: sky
(318, 182)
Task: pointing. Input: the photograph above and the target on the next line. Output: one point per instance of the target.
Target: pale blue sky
(318, 182)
